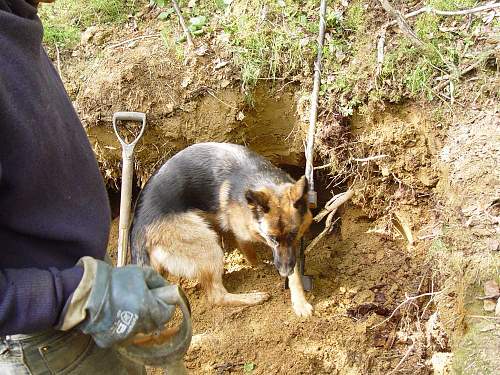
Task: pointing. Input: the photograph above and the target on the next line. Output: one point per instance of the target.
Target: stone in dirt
(491, 288)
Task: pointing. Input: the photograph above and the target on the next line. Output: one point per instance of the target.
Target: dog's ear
(257, 199)
(298, 192)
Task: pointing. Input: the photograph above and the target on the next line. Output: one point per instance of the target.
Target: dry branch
(370, 158)
(482, 58)
(313, 114)
(401, 21)
(189, 40)
(426, 9)
(408, 299)
(58, 62)
(405, 357)
(330, 208)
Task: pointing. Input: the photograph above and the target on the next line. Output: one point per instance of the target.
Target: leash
(312, 196)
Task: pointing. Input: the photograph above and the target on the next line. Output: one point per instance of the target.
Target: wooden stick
(330, 209)
(403, 25)
(405, 357)
(59, 61)
(334, 203)
(466, 70)
(311, 132)
(328, 225)
(426, 9)
(408, 299)
(370, 158)
(183, 24)
(429, 9)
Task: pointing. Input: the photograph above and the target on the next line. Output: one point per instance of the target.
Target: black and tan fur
(224, 186)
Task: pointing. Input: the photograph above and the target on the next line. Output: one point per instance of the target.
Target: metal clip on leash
(312, 197)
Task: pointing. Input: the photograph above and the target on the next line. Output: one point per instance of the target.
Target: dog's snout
(285, 264)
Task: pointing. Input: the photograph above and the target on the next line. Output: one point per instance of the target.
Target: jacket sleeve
(32, 299)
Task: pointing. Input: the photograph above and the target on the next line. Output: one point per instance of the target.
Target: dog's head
(282, 217)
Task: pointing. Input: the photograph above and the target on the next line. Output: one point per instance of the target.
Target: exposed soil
(422, 226)
(359, 279)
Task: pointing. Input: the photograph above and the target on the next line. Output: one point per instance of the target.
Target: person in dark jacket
(62, 308)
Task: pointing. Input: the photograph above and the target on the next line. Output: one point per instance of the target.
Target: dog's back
(193, 179)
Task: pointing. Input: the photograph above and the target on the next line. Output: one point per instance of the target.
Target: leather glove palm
(114, 304)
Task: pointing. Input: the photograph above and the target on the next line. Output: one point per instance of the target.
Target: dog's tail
(137, 240)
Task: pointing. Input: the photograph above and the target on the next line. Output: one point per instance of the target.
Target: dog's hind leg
(186, 246)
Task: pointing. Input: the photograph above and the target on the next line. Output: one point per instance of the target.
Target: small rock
(491, 288)
(200, 51)
(497, 309)
(240, 116)
(88, 34)
(494, 245)
(342, 290)
(441, 363)
(224, 83)
(185, 82)
(169, 108)
(220, 64)
(364, 296)
(489, 305)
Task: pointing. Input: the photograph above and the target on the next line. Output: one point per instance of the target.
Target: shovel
(163, 348)
(127, 174)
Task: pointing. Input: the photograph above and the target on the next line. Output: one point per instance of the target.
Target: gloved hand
(114, 304)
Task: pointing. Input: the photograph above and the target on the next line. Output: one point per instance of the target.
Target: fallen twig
(408, 299)
(405, 357)
(311, 131)
(370, 158)
(426, 9)
(58, 61)
(429, 9)
(401, 21)
(189, 40)
(482, 58)
(330, 209)
(334, 203)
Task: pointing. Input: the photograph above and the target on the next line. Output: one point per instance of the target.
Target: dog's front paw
(303, 309)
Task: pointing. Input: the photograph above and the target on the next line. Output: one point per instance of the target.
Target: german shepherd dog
(209, 188)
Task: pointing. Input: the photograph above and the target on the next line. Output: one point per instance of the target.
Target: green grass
(64, 20)
(276, 44)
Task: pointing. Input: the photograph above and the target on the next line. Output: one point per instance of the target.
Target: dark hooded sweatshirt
(53, 203)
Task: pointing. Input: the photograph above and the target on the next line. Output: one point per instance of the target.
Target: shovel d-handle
(127, 175)
(167, 347)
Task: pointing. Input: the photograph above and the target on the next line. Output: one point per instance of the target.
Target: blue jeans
(56, 352)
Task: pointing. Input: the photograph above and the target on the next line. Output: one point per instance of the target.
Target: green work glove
(114, 304)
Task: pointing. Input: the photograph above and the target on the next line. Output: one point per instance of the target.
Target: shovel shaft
(125, 204)
(127, 175)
